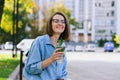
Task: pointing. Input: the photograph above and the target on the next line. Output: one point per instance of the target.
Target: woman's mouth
(60, 27)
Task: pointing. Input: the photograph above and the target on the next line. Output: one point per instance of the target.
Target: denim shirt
(41, 49)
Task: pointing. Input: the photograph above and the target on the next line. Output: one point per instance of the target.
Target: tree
(34, 32)
(6, 22)
(25, 9)
(3, 37)
(117, 39)
(62, 8)
(113, 37)
(1, 8)
(58, 7)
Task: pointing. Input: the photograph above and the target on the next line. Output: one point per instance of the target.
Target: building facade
(98, 18)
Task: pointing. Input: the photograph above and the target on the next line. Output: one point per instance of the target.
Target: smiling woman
(42, 62)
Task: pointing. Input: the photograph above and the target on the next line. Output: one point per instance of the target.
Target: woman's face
(58, 24)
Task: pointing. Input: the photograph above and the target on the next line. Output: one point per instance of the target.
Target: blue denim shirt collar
(48, 40)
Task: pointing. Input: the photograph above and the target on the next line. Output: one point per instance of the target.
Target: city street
(93, 66)
(7, 51)
(88, 31)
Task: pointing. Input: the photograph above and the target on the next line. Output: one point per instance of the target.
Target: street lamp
(13, 37)
(15, 24)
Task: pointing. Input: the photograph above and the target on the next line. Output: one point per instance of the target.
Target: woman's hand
(57, 55)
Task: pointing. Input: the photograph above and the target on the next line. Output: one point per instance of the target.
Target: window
(112, 13)
(112, 23)
(95, 4)
(107, 14)
(98, 4)
(113, 3)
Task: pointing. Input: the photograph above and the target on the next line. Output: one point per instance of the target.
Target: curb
(14, 74)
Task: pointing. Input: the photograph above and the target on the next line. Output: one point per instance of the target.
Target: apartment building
(105, 18)
(98, 18)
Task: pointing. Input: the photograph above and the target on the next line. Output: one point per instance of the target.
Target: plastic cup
(60, 61)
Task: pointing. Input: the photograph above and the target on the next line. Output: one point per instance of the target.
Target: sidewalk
(18, 77)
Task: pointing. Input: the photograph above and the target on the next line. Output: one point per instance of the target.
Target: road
(93, 66)
(7, 51)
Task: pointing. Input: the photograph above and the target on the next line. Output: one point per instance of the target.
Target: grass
(7, 65)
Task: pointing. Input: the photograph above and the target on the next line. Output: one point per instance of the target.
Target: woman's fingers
(57, 55)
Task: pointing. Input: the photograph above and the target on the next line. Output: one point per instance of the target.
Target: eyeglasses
(57, 21)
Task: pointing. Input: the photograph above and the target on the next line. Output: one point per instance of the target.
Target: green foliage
(6, 21)
(7, 65)
(4, 36)
(60, 45)
(60, 7)
(26, 8)
(101, 42)
(1, 8)
(60, 42)
(55, 8)
(115, 39)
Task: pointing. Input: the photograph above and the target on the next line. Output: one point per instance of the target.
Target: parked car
(69, 48)
(0, 47)
(90, 47)
(8, 45)
(109, 47)
(78, 48)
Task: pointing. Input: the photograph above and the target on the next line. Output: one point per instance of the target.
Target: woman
(43, 55)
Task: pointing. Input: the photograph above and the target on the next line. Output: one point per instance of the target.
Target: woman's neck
(54, 39)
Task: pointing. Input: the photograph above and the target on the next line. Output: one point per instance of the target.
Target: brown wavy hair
(65, 35)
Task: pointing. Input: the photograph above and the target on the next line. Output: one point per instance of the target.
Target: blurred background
(94, 27)
(91, 21)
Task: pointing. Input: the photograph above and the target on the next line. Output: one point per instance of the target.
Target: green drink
(61, 47)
